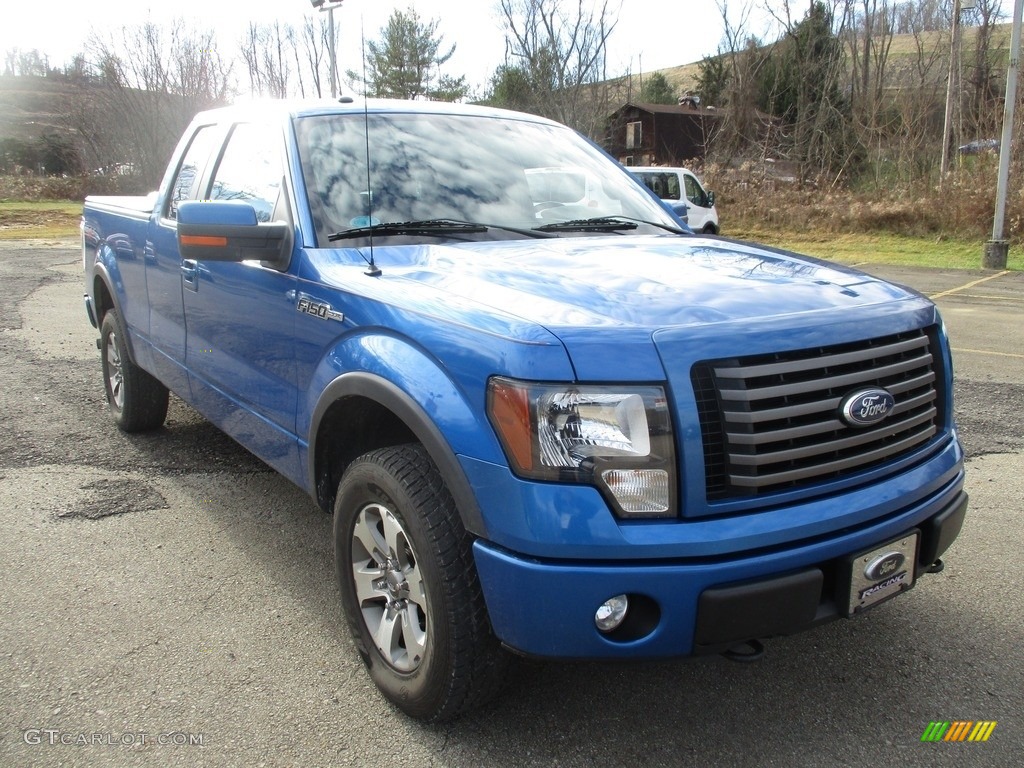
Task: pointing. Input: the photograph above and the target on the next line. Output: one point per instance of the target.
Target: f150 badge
(310, 306)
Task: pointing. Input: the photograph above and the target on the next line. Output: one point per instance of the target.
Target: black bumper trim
(784, 605)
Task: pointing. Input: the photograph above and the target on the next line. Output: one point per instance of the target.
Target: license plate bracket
(881, 573)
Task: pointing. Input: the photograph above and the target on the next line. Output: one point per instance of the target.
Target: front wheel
(409, 586)
(137, 401)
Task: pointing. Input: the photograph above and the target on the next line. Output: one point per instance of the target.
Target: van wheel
(409, 587)
(710, 229)
(137, 401)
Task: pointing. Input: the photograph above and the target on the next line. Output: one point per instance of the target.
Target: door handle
(190, 274)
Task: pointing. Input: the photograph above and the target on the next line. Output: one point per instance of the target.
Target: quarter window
(191, 170)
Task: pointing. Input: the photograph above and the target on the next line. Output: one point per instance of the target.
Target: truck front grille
(773, 422)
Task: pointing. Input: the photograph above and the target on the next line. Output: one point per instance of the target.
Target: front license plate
(882, 573)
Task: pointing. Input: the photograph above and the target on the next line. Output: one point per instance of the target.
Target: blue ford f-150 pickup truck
(546, 417)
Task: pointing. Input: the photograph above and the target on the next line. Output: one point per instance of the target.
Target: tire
(409, 587)
(137, 401)
(710, 229)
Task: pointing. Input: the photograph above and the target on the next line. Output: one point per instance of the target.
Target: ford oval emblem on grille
(867, 407)
(884, 565)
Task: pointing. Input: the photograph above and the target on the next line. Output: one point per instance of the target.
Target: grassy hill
(32, 106)
(905, 54)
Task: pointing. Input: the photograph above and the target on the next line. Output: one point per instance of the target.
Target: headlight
(616, 438)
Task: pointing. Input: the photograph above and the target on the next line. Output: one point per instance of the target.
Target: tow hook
(935, 567)
(745, 652)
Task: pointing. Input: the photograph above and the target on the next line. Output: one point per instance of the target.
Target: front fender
(410, 384)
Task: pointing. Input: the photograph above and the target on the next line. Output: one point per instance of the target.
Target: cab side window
(694, 192)
(191, 169)
(672, 182)
(250, 169)
(664, 185)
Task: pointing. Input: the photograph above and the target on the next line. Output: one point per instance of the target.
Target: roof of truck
(353, 104)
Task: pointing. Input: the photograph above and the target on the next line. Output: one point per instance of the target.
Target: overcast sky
(651, 34)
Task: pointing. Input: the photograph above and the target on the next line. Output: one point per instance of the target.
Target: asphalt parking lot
(169, 600)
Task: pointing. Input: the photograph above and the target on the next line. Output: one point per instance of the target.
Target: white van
(680, 189)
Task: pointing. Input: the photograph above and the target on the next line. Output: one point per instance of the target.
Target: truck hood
(639, 282)
(634, 307)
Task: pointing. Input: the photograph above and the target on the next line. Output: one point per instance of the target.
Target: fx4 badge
(309, 306)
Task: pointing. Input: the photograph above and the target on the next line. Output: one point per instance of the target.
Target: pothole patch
(112, 497)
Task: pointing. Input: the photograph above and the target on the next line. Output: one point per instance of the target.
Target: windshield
(503, 173)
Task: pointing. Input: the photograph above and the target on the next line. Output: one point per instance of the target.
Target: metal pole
(334, 60)
(951, 88)
(997, 249)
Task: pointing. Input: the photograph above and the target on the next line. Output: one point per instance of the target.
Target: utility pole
(952, 87)
(997, 249)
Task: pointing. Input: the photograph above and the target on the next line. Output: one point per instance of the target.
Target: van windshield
(500, 172)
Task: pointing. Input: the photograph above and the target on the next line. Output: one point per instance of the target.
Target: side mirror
(710, 196)
(228, 230)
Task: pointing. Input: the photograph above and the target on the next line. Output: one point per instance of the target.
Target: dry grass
(962, 210)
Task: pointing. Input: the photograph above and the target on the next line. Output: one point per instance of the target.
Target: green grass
(882, 248)
(45, 220)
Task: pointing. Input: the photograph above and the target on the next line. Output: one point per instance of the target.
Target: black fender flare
(100, 273)
(396, 400)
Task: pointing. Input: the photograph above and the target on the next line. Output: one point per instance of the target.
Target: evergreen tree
(712, 80)
(511, 88)
(656, 90)
(405, 62)
(800, 84)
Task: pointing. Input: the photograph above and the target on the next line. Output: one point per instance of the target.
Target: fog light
(611, 613)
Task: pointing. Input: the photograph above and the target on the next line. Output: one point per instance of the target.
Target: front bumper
(544, 608)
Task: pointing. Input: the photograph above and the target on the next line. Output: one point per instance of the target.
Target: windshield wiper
(604, 224)
(430, 227)
(425, 227)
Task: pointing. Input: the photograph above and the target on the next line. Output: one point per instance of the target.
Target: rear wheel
(137, 401)
(409, 586)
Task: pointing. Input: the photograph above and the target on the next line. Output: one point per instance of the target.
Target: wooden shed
(661, 134)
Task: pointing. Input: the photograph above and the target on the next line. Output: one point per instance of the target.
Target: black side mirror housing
(228, 230)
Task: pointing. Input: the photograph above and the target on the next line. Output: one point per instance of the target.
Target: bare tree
(918, 103)
(983, 108)
(147, 98)
(283, 61)
(871, 28)
(742, 127)
(316, 46)
(268, 51)
(25, 63)
(805, 86)
(560, 47)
